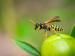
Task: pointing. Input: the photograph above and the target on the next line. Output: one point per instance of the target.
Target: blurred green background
(40, 11)
(17, 13)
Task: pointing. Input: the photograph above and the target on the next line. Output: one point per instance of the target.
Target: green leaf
(73, 32)
(29, 48)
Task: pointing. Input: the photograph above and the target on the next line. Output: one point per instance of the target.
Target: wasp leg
(39, 29)
(53, 31)
(46, 34)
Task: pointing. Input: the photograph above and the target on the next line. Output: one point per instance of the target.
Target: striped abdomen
(56, 28)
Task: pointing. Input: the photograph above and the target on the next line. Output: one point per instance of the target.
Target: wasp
(48, 25)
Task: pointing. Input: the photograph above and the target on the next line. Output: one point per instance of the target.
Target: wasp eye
(36, 25)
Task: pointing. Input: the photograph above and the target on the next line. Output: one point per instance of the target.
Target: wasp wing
(54, 19)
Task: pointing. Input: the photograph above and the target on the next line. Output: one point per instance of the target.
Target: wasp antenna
(32, 21)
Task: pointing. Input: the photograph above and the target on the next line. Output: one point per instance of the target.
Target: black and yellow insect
(48, 25)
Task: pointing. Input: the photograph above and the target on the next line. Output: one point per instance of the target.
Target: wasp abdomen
(56, 28)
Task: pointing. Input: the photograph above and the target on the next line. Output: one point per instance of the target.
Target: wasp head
(37, 25)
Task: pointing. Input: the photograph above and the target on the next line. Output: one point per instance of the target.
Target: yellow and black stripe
(56, 28)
